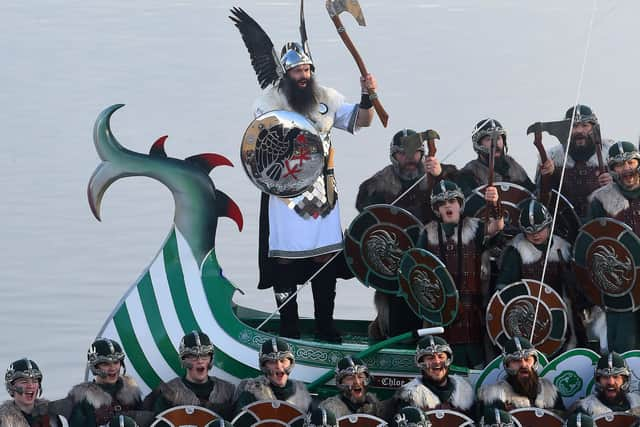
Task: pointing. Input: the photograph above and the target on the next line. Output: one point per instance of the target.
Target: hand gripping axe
(335, 8)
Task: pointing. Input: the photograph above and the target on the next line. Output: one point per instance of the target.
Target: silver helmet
(431, 345)
(275, 349)
(23, 368)
(294, 54)
(484, 128)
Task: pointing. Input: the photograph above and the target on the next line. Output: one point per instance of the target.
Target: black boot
(324, 294)
(289, 322)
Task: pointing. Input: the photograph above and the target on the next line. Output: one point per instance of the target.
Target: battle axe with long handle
(496, 209)
(335, 8)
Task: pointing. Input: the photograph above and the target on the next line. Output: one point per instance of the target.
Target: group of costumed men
(113, 399)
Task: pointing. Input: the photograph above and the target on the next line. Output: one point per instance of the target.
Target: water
(182, 70)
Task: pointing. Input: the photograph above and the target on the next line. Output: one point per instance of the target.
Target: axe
(335, 8)
(560, 129)
(496, 210)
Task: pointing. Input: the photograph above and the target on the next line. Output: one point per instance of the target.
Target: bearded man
(620, 200)
(581, 174)
(436, 388)
(611, 391)
(299, 235)
(522, 387)
(352, 378)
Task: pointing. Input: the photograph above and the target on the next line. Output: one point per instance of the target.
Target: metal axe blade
(561, 129)
(336, 7)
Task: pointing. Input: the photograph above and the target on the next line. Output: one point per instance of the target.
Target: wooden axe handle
(382, 114)
(545, 180)
(537, 141)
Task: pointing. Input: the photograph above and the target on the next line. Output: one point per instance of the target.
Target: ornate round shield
(615, 419)
(447, 418)
(428, 287)
(572, 374)
(375, 242)
(513, 311)
(282, 153)
(269, 413)
(607, 264)
(186, 415)
(361, 420)
(511, 195)
(568, 222)
(536, 417)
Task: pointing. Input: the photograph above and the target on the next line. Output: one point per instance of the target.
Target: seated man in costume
(23, 381)
(408, 166)
(111, 392)
(620, 200)
(611, 390)
(507, 169)
(436, 388)
(459, 241)
(581, 174)
(196, 387)
(352, 378)
(522, 387)
(276, 362)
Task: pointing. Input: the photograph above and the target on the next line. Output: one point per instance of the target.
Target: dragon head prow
(198, 204)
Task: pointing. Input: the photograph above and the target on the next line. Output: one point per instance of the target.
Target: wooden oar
(376, 348)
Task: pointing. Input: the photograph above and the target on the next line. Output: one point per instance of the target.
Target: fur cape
(556, 153)
(595, 407)
(469, 229)
(129, 394)
(503, 392)
(260, 388)
(336, 405)
(273, 99)
(480, 171)
(611, 198)
(417, 394)
(11, 415)
(176, 392)
(530, 254)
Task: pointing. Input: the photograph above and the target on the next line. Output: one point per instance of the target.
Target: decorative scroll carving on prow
(198, 204)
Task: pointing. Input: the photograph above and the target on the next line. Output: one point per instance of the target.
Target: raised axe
(413, 142)
(561, 130)
(335, 8)
(493, 210)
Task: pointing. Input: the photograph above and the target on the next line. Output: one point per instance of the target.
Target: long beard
(301, 99)
(410, 175)
(582, 152)
(618, 399)
(526, 387)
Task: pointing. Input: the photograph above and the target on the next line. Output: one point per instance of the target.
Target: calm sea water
(182, 70)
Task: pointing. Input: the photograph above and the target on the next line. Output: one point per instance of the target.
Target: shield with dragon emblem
(516, 310)
(375, 242)
(511, 195)
(428, 287)
(615, 419)
(282, 153)
(269, 413)
(186, 415)
(536, 417)
(361, 420)
(448, 418)
(607, 264)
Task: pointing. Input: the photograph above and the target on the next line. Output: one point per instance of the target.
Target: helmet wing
(264, 59)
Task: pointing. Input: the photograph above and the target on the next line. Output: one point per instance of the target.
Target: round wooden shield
(428, 287)
(511, 195)
(186, 415)
(375, 242)
(615, 419)
(269, 413)
(361, 420)
(568, 222)
(607, 264)
(513, 310)
(536, 417)
(447, 418)
(282, 153)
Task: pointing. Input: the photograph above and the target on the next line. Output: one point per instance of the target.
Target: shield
(536, 417)
(186, 415)
(511, 195)
(513, 311)
(607, 264)
(282, 153)
(269, 413)
(572, 374)
(428, 287)
(568, 222)
(361, 420)
(447, 418)
(375, 242)
(615, 419)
